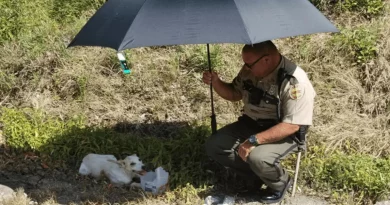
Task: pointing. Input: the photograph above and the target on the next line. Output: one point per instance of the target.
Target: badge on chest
(273, 89)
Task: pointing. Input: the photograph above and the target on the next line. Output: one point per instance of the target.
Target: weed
(360, 42)
(365, 176)
(368, 8)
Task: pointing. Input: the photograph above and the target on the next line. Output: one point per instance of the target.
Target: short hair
(262, 47)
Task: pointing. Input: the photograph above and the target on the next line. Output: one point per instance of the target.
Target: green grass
(365, 176)
(183, 155)
(367, 8)
(71, 140)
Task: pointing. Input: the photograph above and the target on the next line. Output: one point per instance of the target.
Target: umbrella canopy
(123, 24)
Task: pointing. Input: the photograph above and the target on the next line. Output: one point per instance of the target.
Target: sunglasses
(251, 65)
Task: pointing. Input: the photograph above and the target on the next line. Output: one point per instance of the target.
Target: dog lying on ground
(119, 172)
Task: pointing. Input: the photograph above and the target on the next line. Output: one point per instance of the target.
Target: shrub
(368, 8)
(359, 42)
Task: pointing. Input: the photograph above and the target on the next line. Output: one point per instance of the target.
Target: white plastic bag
(155, 182)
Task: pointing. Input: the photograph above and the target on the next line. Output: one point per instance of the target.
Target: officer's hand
(210, 77)
(244, 149)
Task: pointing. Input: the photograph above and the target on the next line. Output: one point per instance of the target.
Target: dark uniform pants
(263, 161)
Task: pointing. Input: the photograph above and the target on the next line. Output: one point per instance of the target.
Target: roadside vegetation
(64, 103)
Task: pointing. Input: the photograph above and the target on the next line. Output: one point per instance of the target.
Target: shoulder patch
(296, 91)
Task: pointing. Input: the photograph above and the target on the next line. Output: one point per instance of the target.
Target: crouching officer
(278, 102)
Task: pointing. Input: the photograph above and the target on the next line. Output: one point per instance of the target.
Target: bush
(369, 8)
(359, 42)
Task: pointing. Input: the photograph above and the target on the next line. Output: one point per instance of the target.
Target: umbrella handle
(123, 63)
(213, 118)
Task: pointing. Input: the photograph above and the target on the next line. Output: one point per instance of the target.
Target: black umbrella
(123, 24)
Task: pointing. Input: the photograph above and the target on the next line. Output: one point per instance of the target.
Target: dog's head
(133, 163)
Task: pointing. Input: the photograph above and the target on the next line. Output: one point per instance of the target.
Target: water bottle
(211, 200)
(219, 200)
(123, 63)
(228, 200)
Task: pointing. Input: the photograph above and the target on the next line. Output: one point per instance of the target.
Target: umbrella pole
(213, 119)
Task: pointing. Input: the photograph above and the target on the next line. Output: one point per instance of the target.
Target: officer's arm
(297, 104)
(227, 91)
(277, 133)
(230, 91)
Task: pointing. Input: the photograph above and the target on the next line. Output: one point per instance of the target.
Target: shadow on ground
(53, 172)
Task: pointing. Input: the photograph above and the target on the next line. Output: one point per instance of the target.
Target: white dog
(119, 172)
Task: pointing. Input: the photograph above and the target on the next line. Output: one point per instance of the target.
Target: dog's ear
(119, 162)
(122, 162)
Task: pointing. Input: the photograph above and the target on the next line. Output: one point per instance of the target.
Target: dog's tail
(84, 170)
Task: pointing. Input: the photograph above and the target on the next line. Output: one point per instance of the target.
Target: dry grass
(188, 195)
(89, 81)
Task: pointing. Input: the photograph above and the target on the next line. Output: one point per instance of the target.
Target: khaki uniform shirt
(296, 101)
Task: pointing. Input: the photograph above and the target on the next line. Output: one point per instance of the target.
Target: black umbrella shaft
(211, 84)
(213, 119)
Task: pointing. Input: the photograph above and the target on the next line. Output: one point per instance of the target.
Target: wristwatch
(253, 140)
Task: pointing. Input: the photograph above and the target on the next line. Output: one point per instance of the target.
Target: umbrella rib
(243, 22)
(136, 16)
